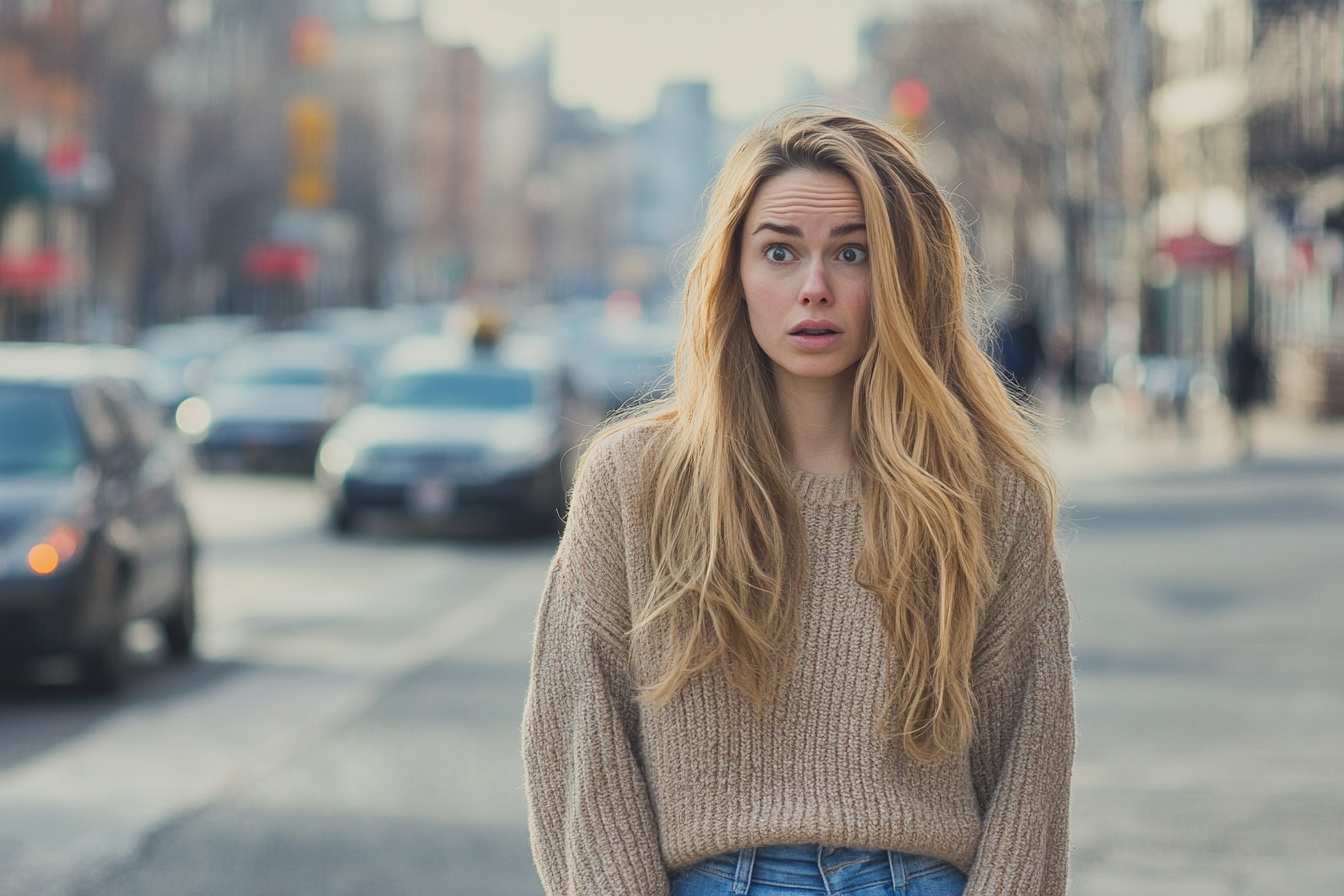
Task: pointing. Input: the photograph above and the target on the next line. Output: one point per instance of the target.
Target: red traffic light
(910, 99)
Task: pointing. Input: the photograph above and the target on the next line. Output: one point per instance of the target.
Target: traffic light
(310, 43)
(312, 134)
(910, 101)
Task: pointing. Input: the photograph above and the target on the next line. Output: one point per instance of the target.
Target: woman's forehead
(804, 192)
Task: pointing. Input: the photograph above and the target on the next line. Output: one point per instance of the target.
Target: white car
(271, 399)
(449, 430)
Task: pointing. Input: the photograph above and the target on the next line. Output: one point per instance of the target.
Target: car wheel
(105, 664)
(342, 519)
(179, 627)
(104, 661)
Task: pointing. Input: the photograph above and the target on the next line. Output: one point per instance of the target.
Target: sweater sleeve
(590, 816)
(1022, 753)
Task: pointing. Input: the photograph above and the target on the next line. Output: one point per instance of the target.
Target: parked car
(93, 532)
(450, 430)
(623, 361)
(367, 333)
(181, 354)
(271, 399)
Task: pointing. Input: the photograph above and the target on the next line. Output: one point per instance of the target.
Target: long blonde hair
(929, 420)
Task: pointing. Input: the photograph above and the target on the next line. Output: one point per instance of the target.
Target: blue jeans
(804, 870)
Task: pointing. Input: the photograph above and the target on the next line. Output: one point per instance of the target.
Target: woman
(806, 630)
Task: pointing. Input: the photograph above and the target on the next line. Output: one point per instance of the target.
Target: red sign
(32, 271)
(65, 159)
(1197, 250)
(280, 263)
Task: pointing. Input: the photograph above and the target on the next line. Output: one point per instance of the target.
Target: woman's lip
(813, 325)
(814, 342)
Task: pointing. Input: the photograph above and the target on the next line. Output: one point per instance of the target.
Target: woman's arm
(590, 816)
(1022, 754)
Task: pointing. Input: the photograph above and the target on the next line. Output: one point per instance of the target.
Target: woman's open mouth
(814, 335)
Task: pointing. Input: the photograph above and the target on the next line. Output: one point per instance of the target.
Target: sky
(613, 55)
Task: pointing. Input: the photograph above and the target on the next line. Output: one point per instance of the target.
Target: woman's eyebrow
(843, 229)
(794, 230)
(786, 229)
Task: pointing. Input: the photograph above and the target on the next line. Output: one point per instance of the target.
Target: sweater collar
(811, 488)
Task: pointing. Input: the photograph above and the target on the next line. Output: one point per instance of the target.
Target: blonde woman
(806, 630)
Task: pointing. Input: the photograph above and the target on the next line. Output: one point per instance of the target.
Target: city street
(1210, 680)
(352, 726)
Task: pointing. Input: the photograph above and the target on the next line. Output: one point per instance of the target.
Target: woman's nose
(816, 289)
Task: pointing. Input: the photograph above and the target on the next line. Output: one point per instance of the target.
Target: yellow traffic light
(312, 135)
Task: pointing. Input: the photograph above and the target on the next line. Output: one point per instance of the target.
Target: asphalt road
(1210, 680)
(352, 726)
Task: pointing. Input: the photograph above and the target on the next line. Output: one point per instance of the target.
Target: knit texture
(619, 794)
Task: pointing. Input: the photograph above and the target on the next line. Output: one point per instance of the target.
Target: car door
(154, 506)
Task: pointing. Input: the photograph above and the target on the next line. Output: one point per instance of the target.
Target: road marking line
(72, 814)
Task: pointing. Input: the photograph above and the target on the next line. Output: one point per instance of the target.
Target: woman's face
(805, 274)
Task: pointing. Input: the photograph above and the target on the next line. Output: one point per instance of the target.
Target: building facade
(1296, 167)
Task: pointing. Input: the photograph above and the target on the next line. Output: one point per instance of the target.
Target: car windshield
(457, 389)
(278, 376)
(38, 431)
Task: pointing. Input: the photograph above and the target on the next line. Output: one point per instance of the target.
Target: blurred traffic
(345, 247)
(93, 531)
(307, 306)
(447, 422)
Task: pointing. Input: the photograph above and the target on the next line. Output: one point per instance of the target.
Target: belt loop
(746, 861)
(898, 879)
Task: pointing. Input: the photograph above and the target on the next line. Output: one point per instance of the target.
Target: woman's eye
(853, 254)
(778, 253)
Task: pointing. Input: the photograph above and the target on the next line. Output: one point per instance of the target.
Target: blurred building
(1199, 274)
(73, 179)
(969, 82)
(1296, 164)
(518, 192)
(670, 162)
(219, 152)
(551, 186)
(449, 168)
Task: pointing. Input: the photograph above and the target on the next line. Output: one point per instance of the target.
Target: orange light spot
(65, 540)
(43, 559)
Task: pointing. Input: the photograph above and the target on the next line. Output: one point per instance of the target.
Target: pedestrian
(806, 631)
(1020, 350)
(1247, 377)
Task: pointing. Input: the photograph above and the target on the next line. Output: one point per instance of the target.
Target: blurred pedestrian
(1247, 374)
(1020, 351)
(806, 629)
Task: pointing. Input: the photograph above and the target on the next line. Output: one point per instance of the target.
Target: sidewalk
(1209, 680)
(1084, 449)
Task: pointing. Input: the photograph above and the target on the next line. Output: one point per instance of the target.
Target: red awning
(1198, 251)
(280, 263)
(31, 271)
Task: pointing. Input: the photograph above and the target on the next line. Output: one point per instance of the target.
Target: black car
(93, 532)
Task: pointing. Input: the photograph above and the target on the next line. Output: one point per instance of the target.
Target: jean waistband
(828, 869)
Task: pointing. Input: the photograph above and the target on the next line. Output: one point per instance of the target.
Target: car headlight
(336, 457)
(43, 549)
(193, 418)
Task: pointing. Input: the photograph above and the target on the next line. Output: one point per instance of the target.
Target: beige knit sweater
(620, 793)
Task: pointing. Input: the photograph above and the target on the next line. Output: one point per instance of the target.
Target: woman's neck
(816, 418)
